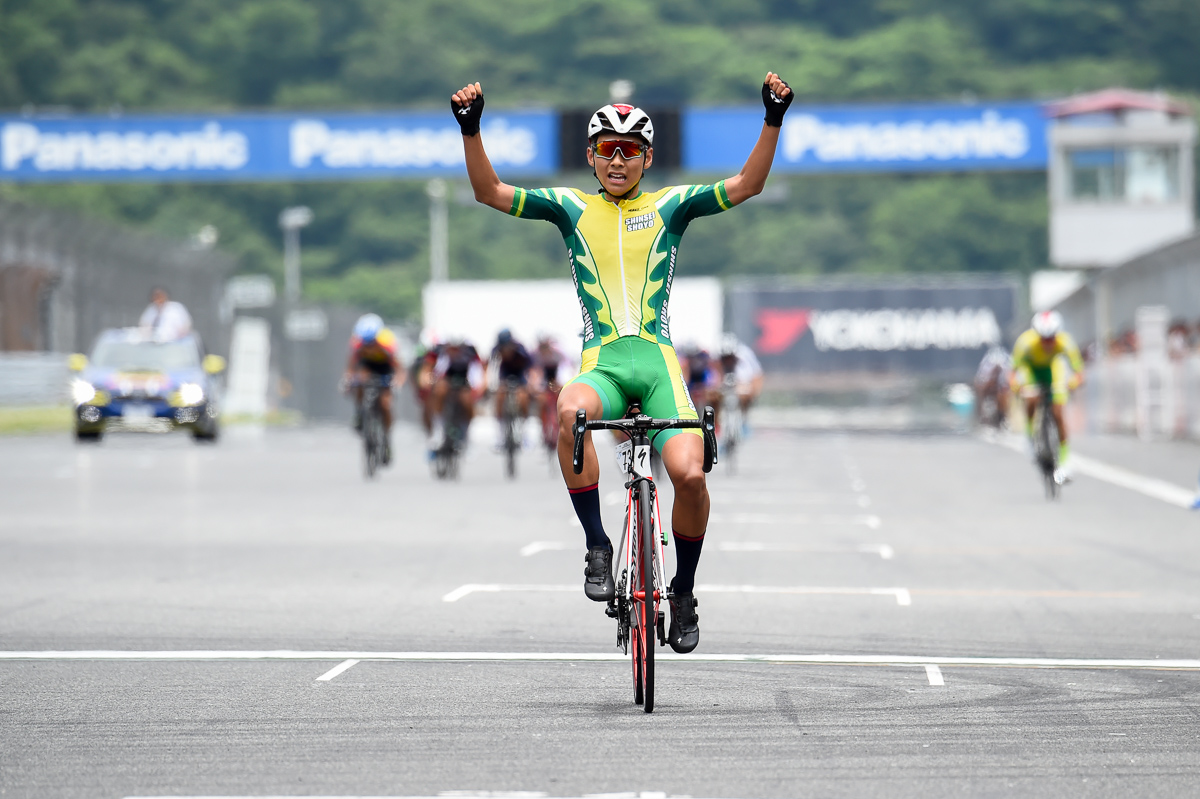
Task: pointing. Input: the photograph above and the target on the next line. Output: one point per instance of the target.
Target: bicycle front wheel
(648, 617)
(371, 453)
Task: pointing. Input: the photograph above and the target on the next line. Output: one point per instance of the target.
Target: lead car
(134, 381)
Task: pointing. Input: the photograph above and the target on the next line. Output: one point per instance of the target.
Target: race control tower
(1121, 177)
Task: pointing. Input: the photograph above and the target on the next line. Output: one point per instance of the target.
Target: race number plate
(625, 455)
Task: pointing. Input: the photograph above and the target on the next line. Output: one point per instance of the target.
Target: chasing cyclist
(458, 378)
(622, 244)
(740, 365)
(1038, 360)
(373, 354)
(508, 370)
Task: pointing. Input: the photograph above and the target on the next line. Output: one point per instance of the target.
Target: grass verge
(37, 419)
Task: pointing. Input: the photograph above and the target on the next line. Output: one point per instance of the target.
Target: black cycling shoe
(684, 634)
(598, 583)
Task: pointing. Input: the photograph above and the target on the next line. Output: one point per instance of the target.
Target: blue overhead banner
(250, 147)
(879, 138)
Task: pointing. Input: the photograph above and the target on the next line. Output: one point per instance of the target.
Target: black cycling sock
(587, 508)
(687, 557)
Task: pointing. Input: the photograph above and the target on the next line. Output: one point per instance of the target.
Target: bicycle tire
(1047, 458)
(648, 619)
(631, 618)
(371, 457)
(510, 448)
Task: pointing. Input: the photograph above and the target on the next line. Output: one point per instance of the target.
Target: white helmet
(1047, 323)
(368, 326)
(729, 344)
(623, 119)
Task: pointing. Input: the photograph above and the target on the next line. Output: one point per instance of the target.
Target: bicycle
(454, 428)
(374, 437)
(642, 585)
(549, 414)
(511, 424)
(1046, 441)
(731, 422)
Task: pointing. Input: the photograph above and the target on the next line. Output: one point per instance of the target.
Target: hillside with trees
(369, 243)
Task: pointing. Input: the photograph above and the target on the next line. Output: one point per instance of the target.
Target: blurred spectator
(1125, 343)
(165, 319)
(1177, 341)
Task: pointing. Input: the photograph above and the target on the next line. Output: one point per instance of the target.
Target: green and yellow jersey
(1036, 362)
(1031, 351)
(622, 253)
(622, 258)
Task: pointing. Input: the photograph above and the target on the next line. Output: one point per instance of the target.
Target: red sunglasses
(629, 149)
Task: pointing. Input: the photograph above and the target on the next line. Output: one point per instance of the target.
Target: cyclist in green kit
(622, 245)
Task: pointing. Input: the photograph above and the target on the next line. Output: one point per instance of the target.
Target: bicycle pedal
(612, 612)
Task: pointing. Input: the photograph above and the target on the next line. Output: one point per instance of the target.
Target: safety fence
(1123, 395)
(64, 278)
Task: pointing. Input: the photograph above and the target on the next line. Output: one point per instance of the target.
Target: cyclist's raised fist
(777, 96)
(467, 105)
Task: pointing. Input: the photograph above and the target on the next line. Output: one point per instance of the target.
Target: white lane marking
(476, 588)
(605, 657)
(934, 674)
(870, 520)
(882, 550)
(451, 795)
(902, 595)
(336, 670)
(1149, 486)
(765, 498)
(543, 546)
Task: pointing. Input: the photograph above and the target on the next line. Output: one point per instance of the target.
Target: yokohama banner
(940, 327)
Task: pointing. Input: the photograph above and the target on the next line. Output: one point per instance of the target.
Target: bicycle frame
(641, 478)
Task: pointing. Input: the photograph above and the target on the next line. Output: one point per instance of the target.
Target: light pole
(291, 220)
(439, 231)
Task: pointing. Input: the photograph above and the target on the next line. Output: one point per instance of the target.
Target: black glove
(468, 116)
(776, 106)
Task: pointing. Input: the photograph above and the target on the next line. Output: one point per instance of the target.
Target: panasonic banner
(901, 326)
(884, 138)
(253, 147)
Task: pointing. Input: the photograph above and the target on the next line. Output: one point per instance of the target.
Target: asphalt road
(881, 616)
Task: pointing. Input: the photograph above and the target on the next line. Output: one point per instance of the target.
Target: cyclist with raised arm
(373, 350)
(1040, 358)
(622, 245)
